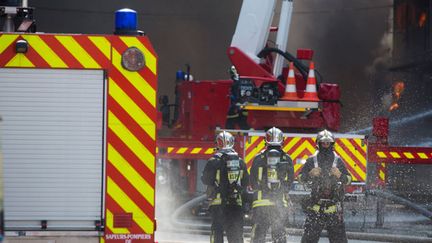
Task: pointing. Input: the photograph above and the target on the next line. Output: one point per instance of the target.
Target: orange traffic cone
(290, 88)
(311, 90)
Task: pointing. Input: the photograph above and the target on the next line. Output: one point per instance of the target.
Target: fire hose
(205, 228)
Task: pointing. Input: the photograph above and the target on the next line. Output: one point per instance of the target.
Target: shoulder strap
(336, 158)
(315, 159)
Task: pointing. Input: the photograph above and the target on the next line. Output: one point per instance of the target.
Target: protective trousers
(228, 218)
(269, 216)
(316, 222)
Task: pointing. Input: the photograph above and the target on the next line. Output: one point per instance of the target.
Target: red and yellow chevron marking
(131, 140)
(131, 115)
(351, 150)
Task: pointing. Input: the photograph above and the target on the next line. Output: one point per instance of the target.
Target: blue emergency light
(126, 22)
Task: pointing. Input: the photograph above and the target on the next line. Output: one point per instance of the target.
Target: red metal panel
(400, 155)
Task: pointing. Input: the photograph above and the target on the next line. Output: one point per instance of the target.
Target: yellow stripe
(395, 155)
(305, 146)
(170, 149)
(291, 143)
(131, 174)
(6, 41)
(19, 60)
(77, 51)
(382, 175)
(422, 155)
(102, 44)
(254, 151)
(252, 141)
(181, 150)
(408, 155)
(209, 151)
(110, 224)
(123, 200)
(135, 79)
(157, 150)
(101, 239)
(150, 59)
(145, 122)
(45, 51)
(297, 167)
(195, 150)
(131, 141)
(351, 163)
(381, 155)
(359, 143)
(353, 150)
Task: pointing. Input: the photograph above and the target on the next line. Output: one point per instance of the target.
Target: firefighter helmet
(274, 137)
(224, 140)
(325, 136)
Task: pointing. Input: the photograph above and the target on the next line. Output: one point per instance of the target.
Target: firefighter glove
(315, 172)
(335, 172)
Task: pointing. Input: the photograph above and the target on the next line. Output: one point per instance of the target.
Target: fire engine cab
(79, 129)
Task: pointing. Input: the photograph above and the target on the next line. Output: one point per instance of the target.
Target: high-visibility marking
(196, 150)
(395, 155)
(45, 51)
(135, 79)
(355, 152)
(209, 151)
(305, 145)
(147, 124)
(128, 205)
(254, 151)
(102, 239)
(77, 51)
(381, 155)
(422, 155)
(102, 44)
(181, 150)
(291, 144)
(131, 141)
(409, 155)
(110, 224)
(382, 175)
(19, 60)
(351, 163)
(6, 41)
(135, 179)
(170, 149)
(150, 59)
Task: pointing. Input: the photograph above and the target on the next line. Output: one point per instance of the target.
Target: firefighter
(272, 174)
(326, 175)
(226, 177)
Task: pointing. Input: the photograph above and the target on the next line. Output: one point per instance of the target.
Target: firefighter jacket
(272, 175)
(325, 187)
(226, 177)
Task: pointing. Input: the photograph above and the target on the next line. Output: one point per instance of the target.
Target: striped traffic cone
(311, 90)
(290, 88)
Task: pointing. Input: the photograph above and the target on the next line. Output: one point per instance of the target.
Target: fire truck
(78, 131)
(268, 87)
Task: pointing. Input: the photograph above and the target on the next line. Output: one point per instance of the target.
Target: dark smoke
(347, 37)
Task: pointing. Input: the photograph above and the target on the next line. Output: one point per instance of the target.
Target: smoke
(351, 44)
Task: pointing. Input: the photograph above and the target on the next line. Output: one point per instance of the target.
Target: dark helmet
(274, 137)
(225, 140)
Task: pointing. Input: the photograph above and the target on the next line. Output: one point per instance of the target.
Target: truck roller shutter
(53, 147)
